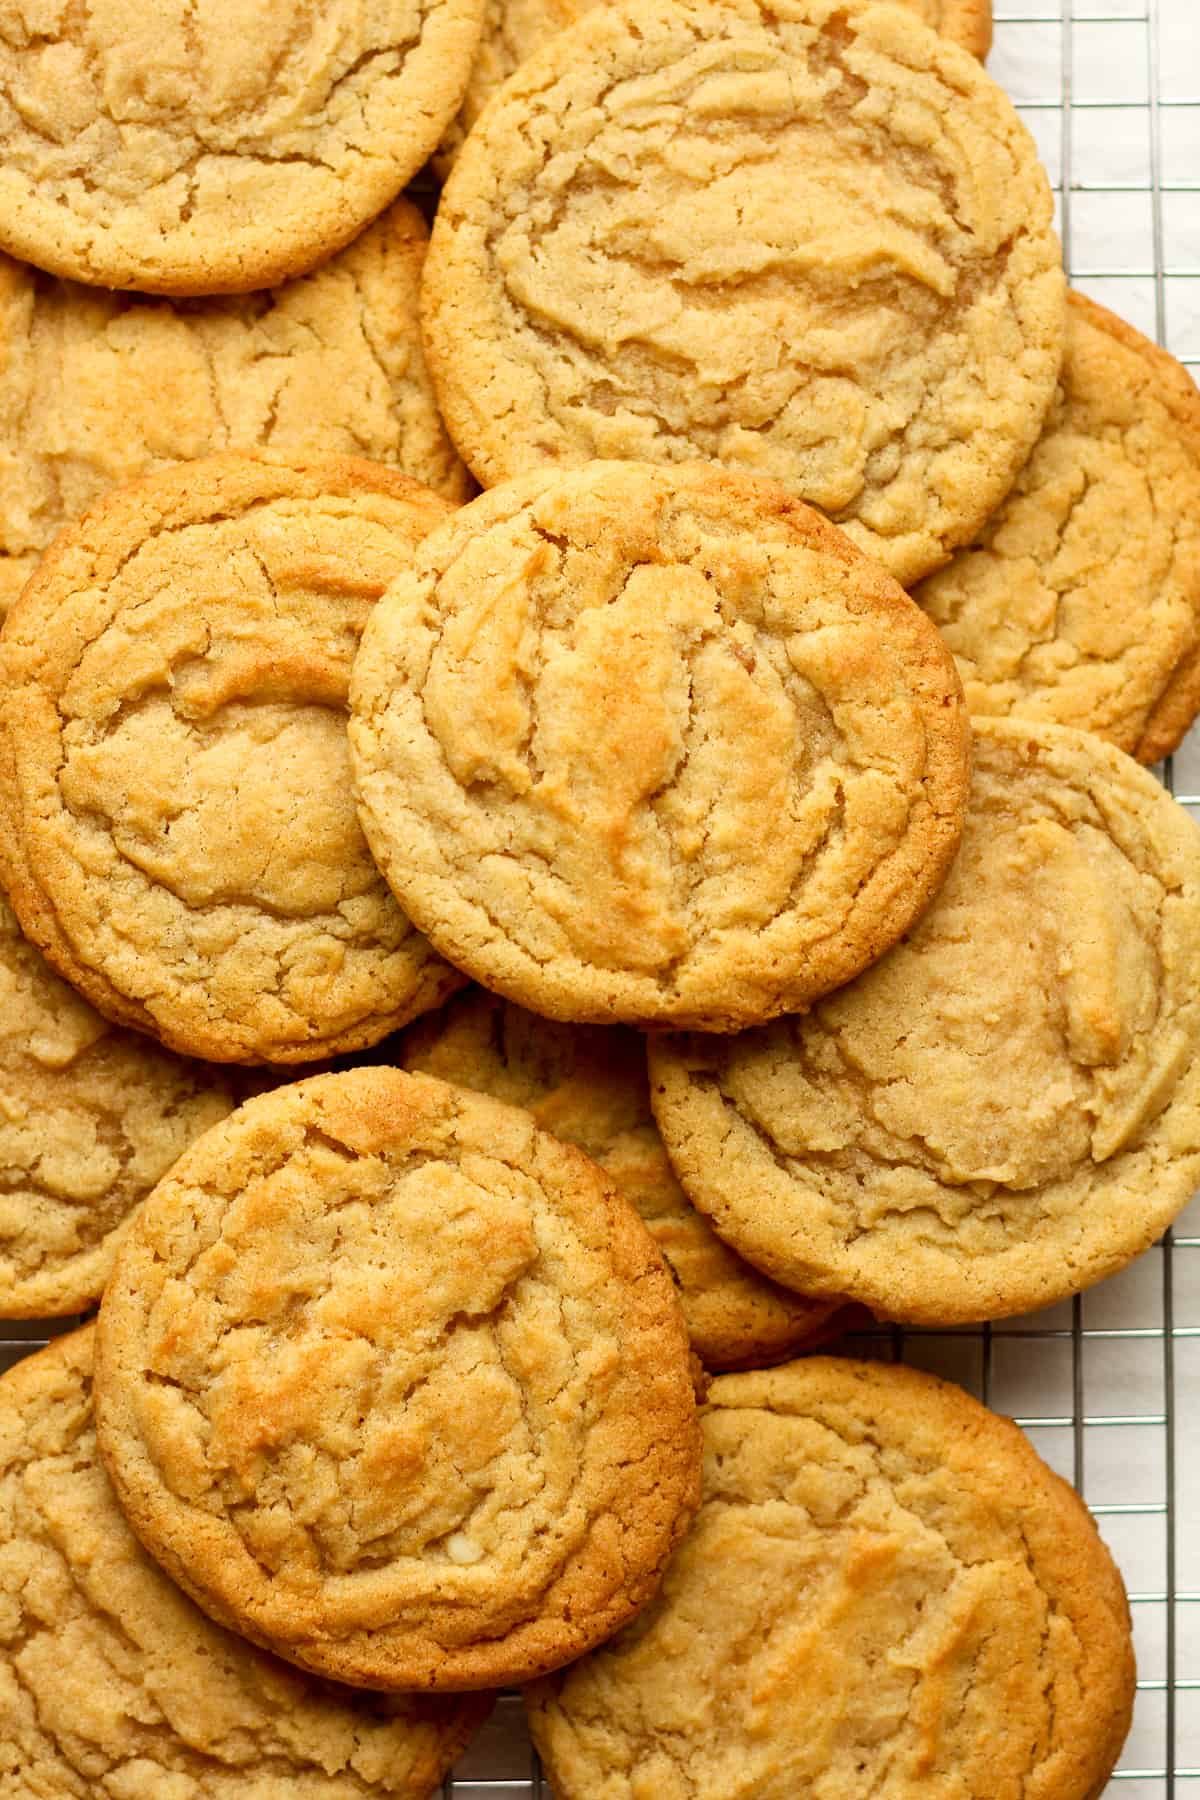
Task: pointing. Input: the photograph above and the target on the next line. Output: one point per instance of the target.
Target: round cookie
(1004, 1110)
(97, 388)
(575, 719)
(514, 29)
(214, 146)
(587, 1085)
(807, 239)
(184, 847)
(395, 1384)
(885, 1592)
(1080, 600)
(113, 1684)
(90, 1118)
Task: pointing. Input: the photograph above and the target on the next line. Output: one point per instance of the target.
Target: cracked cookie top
(97, 388)
(90, 1118)
(1080, 600)
(655, 745)
(514, 29)
(1006, 1108)
(885, 1592)
(115, 1684)
(396, 1384)
(184, 845)
(587, 1085)
(214, 146)
(808, 239)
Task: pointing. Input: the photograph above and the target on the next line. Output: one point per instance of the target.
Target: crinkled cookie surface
(965, 22)
(1006, 1108)
(807, 239)
(397, 1385)
(185, 847)
(514, 29)
(885, 1592)
(113, 1686)
(1080, 600)
(98, 387)
(215, 146)
(655, 745)
(90, 1118)
(587, 1085)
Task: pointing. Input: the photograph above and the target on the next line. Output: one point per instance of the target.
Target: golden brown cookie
(808, 239)
(397, 1385)
(587, 1085)
(185, 847)
(965, 22)
(1079, 602)
(655, 745)
(214, 146)
(90, 1118)
(112, 1684)
(1004, 1110)
(514, 29)
(885, 1592)
(97, 387)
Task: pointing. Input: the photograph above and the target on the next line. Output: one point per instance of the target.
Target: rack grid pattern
(1106, 1386)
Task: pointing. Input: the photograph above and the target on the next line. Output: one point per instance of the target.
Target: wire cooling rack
(1107, 1386)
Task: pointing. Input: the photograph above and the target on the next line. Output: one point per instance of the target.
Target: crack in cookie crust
(587, 1085)
(572, 721)
(513, 30)
(886, 1593)
(1080, 601)
(113, 1684)
(185, 845)
(203, 147)
(397, 1385)
(803, 238)
(97, 388)
(90, 1118)
(1006, 1108)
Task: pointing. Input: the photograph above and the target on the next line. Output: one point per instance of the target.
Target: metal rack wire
(1107, 1386)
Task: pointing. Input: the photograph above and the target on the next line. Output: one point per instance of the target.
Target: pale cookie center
(1041, 614)
(382, 1377)
(705, 273)
(205, 725)
(1008, 1041)
(629, 737)
(830, 1617)
(255, 807)
(148, 88)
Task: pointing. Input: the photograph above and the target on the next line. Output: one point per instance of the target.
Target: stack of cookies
(491, 980)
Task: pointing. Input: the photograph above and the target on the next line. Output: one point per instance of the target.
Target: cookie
(396, 1384)
(185, 847)
(514, 29)
(210, 149)
(807, 239)
(587, 1085)
(965, 22)
(1079, 602)
(655, 745)
(90, 1118)
(885, 1592)
(97, 388)
(113, 1684)
(1004, 1110)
